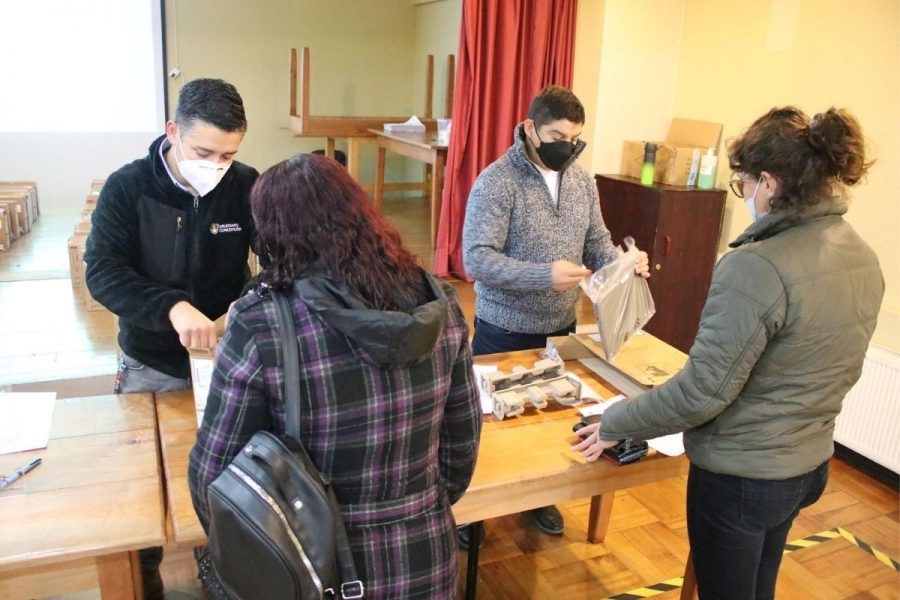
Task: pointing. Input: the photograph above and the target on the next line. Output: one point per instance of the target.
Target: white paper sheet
(201, 378)
(670, 445)
(413, 124)
(487, 404)
(25, 420)
(599, 408)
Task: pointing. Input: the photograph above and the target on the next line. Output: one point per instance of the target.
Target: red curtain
(508, 51)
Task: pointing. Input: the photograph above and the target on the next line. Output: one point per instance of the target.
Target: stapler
(626, 451)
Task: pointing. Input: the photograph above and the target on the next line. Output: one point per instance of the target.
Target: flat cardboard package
(674, 155)
(202, 362)
(5, 237)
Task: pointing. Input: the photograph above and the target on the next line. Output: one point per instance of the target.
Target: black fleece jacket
(153, 245)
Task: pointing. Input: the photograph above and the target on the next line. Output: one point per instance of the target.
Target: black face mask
(555, 154)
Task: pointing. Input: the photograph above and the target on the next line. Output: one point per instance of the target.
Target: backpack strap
(351, 586)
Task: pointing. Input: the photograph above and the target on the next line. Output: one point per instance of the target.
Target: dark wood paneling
(679, 229)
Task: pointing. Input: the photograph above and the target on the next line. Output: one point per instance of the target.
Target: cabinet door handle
(666, 245)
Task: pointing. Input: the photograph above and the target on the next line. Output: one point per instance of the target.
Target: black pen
(5, 482)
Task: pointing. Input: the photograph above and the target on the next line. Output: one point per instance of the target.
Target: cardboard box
(5, 237)
(674, 155)
(29, 191)
(77, 270)
(13, 210)
(32, 187)
(21, 200)
(76, 266)
(83, 227)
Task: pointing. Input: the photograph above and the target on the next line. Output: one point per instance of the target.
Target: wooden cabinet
(679, 229)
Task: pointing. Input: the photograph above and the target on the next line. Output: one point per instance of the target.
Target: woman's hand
(591, 446)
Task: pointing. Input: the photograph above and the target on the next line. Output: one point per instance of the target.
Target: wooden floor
(45, 336)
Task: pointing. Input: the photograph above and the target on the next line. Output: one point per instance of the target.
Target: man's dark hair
(212, 101)
(553, 103)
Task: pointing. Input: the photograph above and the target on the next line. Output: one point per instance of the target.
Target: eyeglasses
(737, 186)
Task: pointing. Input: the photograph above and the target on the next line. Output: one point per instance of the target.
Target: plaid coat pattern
(398, 444)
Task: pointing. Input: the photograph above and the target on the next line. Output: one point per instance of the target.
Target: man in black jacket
(169, 244)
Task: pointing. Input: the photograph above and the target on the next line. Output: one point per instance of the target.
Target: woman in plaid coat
(390, 411)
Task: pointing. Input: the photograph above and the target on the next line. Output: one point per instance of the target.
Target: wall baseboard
(867, 466)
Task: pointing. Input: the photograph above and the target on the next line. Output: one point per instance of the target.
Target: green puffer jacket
(782, 338)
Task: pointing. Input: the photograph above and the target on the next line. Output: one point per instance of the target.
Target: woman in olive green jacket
(782, 338)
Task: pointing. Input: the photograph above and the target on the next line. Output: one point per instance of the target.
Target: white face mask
(202, 175)
(750, 201)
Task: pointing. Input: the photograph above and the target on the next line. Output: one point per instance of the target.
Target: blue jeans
(134, 376)
(490, 339)
(738, 528)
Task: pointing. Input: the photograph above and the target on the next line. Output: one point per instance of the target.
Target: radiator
(869, 422)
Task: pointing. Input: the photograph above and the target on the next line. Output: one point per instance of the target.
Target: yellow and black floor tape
(807, 542)
(881, 556)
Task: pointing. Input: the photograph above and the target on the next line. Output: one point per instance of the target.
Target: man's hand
(194, 329)
(642, 265)
(591, 446)
(566, 275)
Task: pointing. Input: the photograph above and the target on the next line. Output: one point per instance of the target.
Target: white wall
(362, 64)
(63, 164)
(638, 68)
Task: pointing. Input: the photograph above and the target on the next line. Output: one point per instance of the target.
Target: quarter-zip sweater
(513, 233)
(152, 245)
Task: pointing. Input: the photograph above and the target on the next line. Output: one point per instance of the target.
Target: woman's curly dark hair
(811, 158)
(312, 217)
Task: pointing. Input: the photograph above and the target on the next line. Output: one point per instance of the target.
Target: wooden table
(524, 462)
(78, 519)
(419, 146)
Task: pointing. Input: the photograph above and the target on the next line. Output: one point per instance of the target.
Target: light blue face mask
(750, 201)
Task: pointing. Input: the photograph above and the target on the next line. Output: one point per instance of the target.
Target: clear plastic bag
(621, 299)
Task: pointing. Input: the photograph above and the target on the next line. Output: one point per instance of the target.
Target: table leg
(689, 586)
(437, 188)
(379, 176)
(601, 511)
(353, 158)
(475, 533)
(120, 576)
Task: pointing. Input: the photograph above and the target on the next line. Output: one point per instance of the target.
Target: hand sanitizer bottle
(707, 178)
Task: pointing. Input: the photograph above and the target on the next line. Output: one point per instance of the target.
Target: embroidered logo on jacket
(224, 228)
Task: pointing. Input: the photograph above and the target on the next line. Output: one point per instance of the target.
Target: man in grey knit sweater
(533, 230)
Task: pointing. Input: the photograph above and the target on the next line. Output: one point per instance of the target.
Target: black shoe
(547, 519)
(153, 586)
(150, 559)
(463, 535)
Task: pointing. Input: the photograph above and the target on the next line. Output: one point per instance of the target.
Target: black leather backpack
(275, 528)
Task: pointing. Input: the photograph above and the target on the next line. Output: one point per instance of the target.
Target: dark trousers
(738, 528)
(490, 339)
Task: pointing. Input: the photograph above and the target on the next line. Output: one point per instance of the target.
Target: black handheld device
(625, 452)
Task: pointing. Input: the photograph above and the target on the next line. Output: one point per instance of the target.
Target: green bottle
(647, 169)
